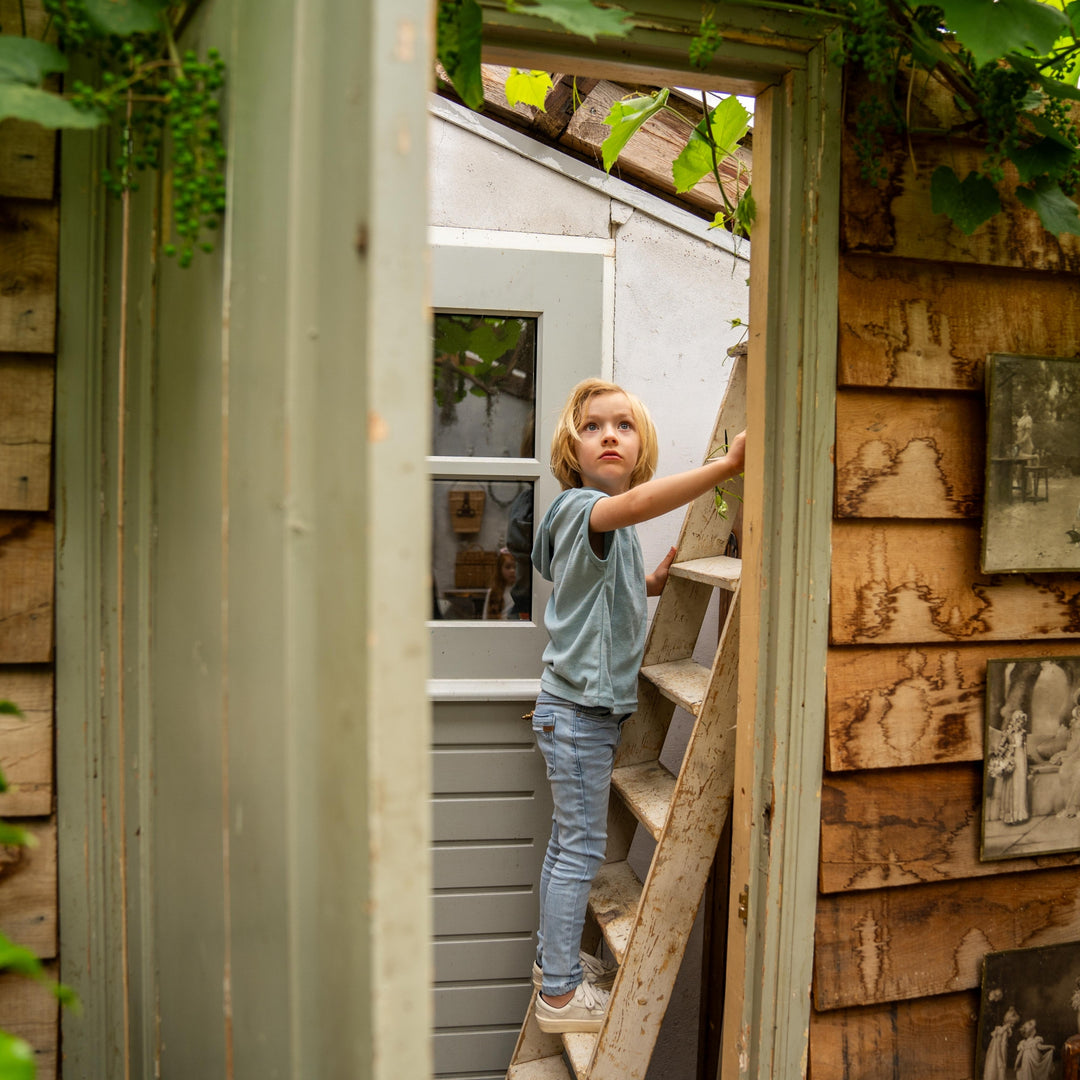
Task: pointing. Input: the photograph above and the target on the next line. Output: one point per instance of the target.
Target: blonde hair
(564, 459)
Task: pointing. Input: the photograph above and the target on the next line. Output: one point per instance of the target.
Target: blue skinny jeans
(578, 744)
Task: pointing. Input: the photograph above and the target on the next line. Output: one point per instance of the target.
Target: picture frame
(1031, 757)
(1031, 509)
(1028, 1013)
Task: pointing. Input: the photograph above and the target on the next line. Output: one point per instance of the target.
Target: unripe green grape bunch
(154, 96)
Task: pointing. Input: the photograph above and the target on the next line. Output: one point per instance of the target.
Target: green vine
(1010, 67)
(146, 91)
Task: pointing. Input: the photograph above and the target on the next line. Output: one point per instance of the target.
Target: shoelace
(593, 967)
(593, 996)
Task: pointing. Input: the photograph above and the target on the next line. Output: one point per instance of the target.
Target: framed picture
(1031, 787)
(1028, 1013)
(1031, 512)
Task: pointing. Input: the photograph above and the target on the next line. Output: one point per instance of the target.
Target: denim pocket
(543, 725)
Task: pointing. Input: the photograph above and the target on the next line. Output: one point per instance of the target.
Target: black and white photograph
(1031, 790)
(1031, 515)
(1029, 1010)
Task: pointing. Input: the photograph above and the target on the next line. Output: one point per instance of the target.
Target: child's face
(509, 571)
(610, 443)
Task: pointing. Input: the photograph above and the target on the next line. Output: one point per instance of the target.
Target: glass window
(484, 404)
(484, 386)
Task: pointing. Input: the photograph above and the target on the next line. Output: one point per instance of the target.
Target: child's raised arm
(657, 497)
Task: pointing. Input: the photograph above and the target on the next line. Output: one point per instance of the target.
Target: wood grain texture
(909, 581)
(31, 1012)
(27, 160)
(26, 743)
(912, 324)
(932, 1039)
(913, 455)
(913, 705)
(28, 890)
(28, 254)
(26, 589)
(884, 829)
(897, 944)
(895, 218)
(26, 420)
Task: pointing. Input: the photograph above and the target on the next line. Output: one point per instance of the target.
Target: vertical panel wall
(28, 269)
(906, 909)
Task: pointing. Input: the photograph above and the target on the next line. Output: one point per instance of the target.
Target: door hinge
(744, 903)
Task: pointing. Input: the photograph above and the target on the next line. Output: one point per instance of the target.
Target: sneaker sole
(557, 1026)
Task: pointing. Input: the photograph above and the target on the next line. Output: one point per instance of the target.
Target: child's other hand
(655, 582)
(736, 454)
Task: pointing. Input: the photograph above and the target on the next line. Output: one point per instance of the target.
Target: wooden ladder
(646, 926)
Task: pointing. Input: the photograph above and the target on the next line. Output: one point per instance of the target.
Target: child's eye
(625, 425)
(591, 425)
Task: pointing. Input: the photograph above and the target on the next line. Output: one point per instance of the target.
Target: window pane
(484, 379)
(480, 549)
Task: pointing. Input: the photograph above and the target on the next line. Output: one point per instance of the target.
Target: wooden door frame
(789, 478)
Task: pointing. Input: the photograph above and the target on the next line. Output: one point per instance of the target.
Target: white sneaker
(594, 969)
(583, 1012)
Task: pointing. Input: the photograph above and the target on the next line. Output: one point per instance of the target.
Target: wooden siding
(28, 268)
(906, 907)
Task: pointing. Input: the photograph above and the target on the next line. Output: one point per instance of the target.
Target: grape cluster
(152, 94)
(1001, 92)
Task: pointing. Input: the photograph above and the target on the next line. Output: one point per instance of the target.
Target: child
(503, 576)
(604, 454)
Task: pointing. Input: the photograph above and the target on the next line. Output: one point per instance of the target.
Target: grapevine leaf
(530, 87)
(16, 1058)
(3, 783)
(1046, 156)
(460, 26)
(728, 123)
(27, 60)
(1058, 213)
(126, 17)
(625, 118)
(9, 708)
(19, 959)
(745, 212)
(577, 16)
(968, 204)
(991, 29)
(1052, 87)
(44, 108)
(16, 835)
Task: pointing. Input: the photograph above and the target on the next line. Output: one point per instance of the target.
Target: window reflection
(484, 385)
(480, 549)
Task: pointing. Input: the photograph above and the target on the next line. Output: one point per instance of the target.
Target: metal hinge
(744, 903)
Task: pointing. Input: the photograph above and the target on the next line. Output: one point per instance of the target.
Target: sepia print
(1029, 1014)
(1031, 790)
(1031, 513)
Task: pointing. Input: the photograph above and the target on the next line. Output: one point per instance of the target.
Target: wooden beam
(914, 455)
(28, 890)
(26, 423)
(932, 1039)
(893, 219)
(907, 827)
(31, 1012)
(26, 600)
(26, 743)
(909, 581)
(913, 704)
(930, 324)
(27, 160)
(28, 246)
(897, 944)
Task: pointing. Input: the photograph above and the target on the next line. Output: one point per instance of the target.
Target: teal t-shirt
(596, 616)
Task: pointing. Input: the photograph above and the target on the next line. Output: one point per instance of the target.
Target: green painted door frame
(243, 523)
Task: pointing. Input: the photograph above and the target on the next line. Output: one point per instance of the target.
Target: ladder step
(613, 901)
(579, 1048)
(548, 1068)
(721, 571)
(646, 789)
(683, 681)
